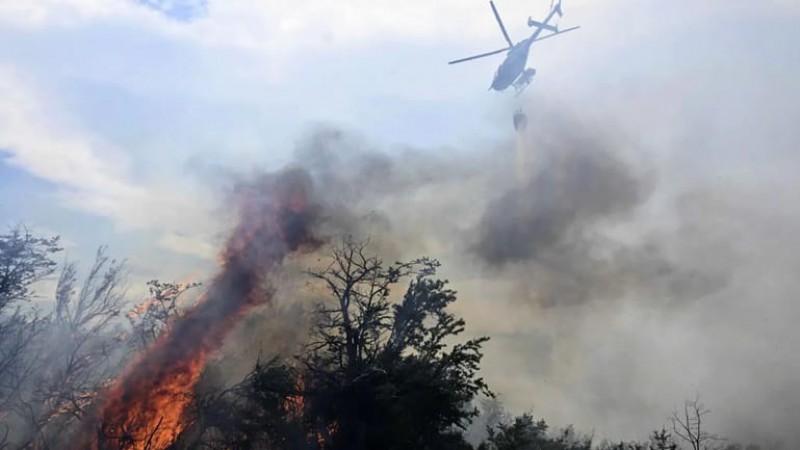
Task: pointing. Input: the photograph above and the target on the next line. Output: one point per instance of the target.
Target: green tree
(263, 411)
(623, 446)
(24, 260)
(524, 433)
(662, 440)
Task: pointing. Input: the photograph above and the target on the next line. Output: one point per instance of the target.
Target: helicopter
(512, 71)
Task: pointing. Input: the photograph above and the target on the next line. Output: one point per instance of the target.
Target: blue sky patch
(13, 178)
(180, 10)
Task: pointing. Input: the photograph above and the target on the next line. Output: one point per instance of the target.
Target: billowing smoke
(594, 301)
(581, 183)
(554, 231)
(608, 287)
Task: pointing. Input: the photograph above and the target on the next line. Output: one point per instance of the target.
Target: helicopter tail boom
(533, 23)
(553, 34)
(558, 10)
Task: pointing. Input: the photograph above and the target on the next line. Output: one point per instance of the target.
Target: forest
(383, 364)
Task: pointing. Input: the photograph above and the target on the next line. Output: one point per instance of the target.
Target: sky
(120, 121)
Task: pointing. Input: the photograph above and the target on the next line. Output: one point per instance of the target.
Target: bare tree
(79, 359)
(689, 427)
(24, 260)
(360, 286)
(19, 358)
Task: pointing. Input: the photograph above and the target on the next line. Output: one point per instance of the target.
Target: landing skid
(523, 81)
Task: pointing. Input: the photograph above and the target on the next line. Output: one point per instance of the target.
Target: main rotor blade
(500, 22)
(479, 56)
(551, 35)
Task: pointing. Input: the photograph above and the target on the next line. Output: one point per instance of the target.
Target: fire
(324, 436)
(146, 407)
(140, 309)
(295, 403)
(148, 414)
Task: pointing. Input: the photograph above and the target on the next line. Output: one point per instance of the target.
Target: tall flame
(145, 409)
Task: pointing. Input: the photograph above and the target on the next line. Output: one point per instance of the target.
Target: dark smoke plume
(566, 256)
(551, 233)
(582, 184)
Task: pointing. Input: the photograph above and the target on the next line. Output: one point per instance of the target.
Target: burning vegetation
(145, 408)
(384, 363)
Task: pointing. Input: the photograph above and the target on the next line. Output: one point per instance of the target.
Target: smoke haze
(612, 291)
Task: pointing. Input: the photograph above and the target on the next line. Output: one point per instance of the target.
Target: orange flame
(294, 404)
(140, 309)
(324, 436)
(145, 409)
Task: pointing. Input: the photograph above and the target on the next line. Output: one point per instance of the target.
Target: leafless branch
(688, 425)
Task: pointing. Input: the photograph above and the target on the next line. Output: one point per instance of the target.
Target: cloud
(275, 25)
(88, 173)
(39, 142)
(44, 13)
(282, 28)
(187, 245)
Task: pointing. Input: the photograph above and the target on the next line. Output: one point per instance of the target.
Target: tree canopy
(389, 375)
(376, 372)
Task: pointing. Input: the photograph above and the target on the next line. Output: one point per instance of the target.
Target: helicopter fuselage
(512, 71)
(513, 66)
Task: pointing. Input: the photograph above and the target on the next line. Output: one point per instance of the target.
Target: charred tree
(381, 373)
